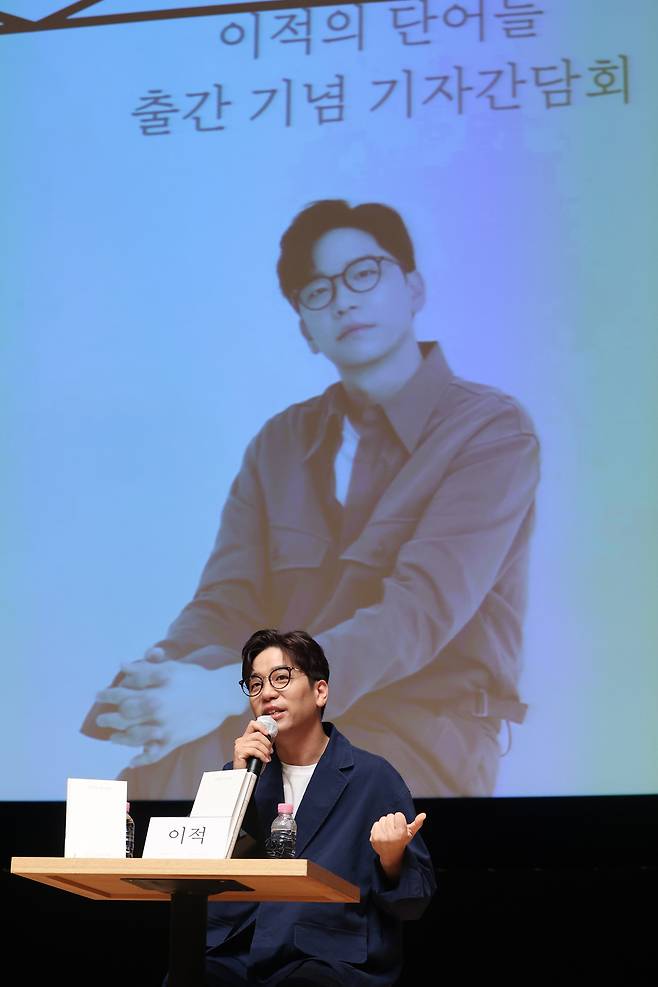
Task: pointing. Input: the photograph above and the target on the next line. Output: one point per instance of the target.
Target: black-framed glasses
(360, 275)
(278, 678)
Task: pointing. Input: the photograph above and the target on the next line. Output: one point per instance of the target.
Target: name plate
(187, 837)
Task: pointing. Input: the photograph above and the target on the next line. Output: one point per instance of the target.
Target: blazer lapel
(329, 780)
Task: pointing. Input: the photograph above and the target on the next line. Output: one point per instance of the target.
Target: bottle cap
(284, 807)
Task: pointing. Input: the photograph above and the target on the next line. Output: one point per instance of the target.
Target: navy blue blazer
(350, 789)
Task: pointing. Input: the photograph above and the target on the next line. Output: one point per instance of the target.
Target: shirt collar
(407, 411)
(329, 417)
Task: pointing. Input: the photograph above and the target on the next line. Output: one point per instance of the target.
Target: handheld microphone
(255, 765)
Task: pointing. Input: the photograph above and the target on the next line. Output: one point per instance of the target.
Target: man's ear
(417, 288)
(312, 345)
(321, 692)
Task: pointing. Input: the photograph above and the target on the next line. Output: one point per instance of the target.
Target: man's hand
(162, 704)
(254, 742)
(388, 838)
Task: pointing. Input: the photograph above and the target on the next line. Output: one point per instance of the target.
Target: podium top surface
(108, 879)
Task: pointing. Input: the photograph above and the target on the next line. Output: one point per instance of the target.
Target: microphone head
(270, 725)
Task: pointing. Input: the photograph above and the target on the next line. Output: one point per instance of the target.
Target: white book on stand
(225, 794)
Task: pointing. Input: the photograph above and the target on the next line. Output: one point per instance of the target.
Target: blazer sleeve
(409, 897)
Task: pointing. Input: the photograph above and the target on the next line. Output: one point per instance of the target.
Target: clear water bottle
(130, 833)
(283, 835)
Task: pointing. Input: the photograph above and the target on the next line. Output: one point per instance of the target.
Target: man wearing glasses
(390, 515)
(354, 815)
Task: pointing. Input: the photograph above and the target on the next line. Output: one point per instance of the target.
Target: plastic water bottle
(283, 835)
(130, 833)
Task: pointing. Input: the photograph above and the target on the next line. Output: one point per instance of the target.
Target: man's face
(297, 705)
(361, 328)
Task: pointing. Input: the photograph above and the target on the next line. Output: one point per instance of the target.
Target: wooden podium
(188, 884)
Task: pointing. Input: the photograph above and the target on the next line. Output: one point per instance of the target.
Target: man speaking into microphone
(355, 816)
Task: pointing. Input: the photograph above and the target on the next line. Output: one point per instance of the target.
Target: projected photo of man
(390, 517)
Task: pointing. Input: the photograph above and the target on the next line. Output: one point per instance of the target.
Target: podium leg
(187, 922)
(187, 939)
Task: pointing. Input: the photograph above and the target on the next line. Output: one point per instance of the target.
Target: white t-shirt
(295, 781)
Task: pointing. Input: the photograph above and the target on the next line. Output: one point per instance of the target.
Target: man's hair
(299, 647)
(295, 265)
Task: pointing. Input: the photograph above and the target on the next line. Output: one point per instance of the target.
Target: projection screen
(153, 156)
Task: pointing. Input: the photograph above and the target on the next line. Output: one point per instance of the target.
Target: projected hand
(388, 838)
(162, 704)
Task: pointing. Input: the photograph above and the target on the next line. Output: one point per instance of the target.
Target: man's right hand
(254, 742)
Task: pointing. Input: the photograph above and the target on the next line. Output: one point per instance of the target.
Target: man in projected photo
(390, 516)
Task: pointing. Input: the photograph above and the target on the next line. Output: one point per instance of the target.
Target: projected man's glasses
(362, 274)
(278, 678)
